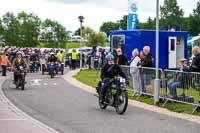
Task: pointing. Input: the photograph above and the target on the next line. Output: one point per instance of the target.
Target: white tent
(195, 41)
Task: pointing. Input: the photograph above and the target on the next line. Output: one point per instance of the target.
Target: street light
(157, 80)
(81, 18)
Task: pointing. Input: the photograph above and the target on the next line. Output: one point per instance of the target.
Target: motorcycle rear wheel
(52, 75)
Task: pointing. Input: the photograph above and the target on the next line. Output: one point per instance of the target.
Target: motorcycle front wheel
(121, 102)
(52, 74)
(22, 83)
(102, 105)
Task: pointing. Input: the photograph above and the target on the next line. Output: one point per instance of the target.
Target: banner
(132, 14)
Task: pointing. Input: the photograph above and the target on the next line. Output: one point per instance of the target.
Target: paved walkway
(13, 120)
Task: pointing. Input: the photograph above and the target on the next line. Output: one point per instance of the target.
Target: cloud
(95, 11)
(114, 4)
(71, 1)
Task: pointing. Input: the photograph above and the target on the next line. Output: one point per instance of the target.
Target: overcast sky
(95, 11)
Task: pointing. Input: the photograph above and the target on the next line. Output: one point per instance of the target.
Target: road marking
(36, 81)
(45, 84)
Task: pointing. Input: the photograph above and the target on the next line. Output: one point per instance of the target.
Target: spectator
(4, 62)
(141, 57)
(148, 60)
(195, 66)
(74, 59)
(147, 73)
(135, 71)
(122, 59)
(178, 79)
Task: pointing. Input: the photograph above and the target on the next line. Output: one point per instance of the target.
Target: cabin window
(118, 41)
(173, 45)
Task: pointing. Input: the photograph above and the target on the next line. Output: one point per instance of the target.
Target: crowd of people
(181, 79)
(11, 57)
(142, 81)
(31, 59)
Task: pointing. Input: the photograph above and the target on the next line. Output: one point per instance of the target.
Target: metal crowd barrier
(182, 87)
(142, 80)
(175, 86)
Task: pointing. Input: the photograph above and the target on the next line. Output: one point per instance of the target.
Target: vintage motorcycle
(116, 95)
(20, 82)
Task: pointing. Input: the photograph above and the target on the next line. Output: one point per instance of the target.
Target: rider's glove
(127, 82)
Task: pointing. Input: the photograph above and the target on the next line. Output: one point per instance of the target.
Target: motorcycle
(44, 66)
(116, 96)
(61, 67)
(52, 69)
(34, 66)
(20, 82)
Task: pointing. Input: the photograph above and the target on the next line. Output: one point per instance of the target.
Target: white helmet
(19, 52)
(52, 53)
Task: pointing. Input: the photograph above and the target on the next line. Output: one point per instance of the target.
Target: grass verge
(92, 77)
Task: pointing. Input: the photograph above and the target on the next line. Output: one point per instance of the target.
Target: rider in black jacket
(109, 71)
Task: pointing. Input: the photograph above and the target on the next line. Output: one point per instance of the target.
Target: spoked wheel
(43, 69)
(62, 70)
(121, 102)
(52, 75)
(102, 105)
(17, 84)
(22, 83)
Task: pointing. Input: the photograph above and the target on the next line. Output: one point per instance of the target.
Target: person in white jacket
(134, 71)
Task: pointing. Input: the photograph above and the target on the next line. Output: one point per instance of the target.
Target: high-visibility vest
(4, 61)
(74, 56)
(60, 56)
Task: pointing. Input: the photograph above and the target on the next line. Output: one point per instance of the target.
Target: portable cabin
(172, 45)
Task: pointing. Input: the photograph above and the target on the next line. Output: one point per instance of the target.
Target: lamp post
(157, 80)
(81, 18)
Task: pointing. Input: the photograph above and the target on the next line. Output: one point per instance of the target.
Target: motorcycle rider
(52, 59)
(109, 71)
(18, 61)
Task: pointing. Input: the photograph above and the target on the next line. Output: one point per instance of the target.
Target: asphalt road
(71, 110)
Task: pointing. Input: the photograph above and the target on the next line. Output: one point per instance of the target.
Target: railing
(182, 87)
(175, 86)
(142, 80)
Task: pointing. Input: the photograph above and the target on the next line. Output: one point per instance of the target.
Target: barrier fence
(142, 80)
(183, 87)
(175, 86)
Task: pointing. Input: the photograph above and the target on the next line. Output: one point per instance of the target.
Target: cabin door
(172, 52)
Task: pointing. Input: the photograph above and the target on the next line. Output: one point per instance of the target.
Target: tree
(53, 33)
(108, 26)
(87, 31)
(97, 39)
(194, 21)
(1, 28)
(11, 30)
(171, 15)
(123, 23)
(29, 29)
(149, 25)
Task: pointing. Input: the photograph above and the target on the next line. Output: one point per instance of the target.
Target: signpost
(132, 14)
(81, 18)
(157, 80)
